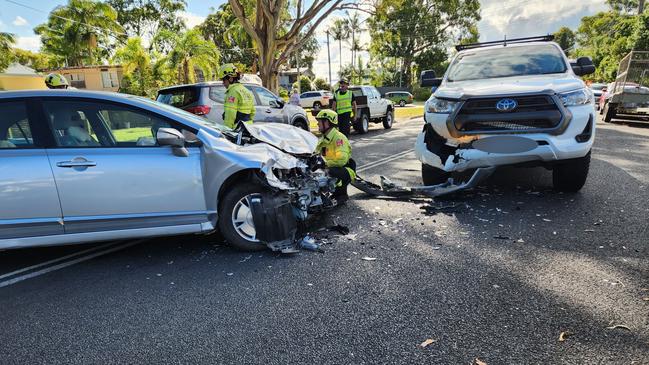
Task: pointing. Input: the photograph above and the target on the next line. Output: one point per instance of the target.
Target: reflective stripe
(343, 102)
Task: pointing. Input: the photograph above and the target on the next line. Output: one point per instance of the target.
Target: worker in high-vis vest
(239, 103)
(345, 106)
(335, 149)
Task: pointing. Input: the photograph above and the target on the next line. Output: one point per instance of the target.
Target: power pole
(328, 57)
(640, 6)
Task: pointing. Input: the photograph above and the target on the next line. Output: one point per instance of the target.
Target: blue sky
(515, 18)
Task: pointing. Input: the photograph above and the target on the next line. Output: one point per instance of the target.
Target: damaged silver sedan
(86, 166)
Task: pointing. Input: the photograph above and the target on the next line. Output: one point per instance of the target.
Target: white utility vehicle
(515, 102)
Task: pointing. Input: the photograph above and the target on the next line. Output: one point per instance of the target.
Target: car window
(217, 93)
(266, 98)
(15, 131)
(92, 124)
(357, 92)
(179, 97)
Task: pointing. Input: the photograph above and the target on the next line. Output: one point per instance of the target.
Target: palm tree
(80, 32)
(7, 41)
(340, 32)
(354, 25)
(192, 50)
(136, 63)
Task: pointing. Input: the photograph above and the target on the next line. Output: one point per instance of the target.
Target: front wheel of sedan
(235, 217)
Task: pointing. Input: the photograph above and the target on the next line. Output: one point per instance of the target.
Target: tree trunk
(406, 70)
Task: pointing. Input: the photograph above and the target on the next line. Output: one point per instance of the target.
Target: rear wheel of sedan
(362, 126)
(317, 105)
(235, 217)
(571, 176)
(433, 176)
(388, 120)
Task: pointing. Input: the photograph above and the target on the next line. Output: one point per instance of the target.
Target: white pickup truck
(371, 107)
(515, 102)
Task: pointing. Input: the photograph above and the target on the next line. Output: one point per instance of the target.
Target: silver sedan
(79, 166)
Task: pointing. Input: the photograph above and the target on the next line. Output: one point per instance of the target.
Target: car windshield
(506, 62)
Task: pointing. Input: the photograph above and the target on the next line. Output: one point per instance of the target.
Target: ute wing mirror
(429, 78)
(583, 66)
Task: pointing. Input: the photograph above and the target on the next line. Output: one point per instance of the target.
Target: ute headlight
(578, 97)
(442, 106)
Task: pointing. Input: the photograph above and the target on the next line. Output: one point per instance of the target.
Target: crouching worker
(337, 152)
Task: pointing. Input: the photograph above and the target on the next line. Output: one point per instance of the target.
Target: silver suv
(81, 166)
(206, 99)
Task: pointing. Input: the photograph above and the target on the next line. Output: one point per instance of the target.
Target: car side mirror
(277, 103)
(583, 66)
(429, 78)
(174, 138)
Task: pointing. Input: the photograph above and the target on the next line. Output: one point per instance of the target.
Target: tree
(354, 26)
(321, 84)
(306, 54)
(640, 37)
(339, 32)
(565, 37)
(405, 29)
(136, 64)
(623, 6)
(222, 28)
(81, 32)
(7, 41)
(143, 18)
(306, 84)
(36, 60)
(192, 51)
(276, 36)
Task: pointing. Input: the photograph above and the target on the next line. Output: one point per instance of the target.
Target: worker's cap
(343, 81)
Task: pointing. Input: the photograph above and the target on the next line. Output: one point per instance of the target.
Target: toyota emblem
(506, 105)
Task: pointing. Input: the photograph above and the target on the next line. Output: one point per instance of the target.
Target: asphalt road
(497, 277)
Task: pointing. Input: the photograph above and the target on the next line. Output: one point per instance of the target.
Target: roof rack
(504, 42)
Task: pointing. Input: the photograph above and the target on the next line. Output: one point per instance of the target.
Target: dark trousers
(345, 122)
(342, 174)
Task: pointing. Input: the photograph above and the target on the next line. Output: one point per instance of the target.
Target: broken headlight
(578, 97)
(442, 106)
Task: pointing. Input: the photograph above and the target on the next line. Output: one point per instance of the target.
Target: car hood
(509, 85)
(287, 138)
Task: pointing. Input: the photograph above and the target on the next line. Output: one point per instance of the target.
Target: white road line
(383, 161)
(54, 261)
(68, 263)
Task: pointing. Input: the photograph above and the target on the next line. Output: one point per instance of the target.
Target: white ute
(514, 102)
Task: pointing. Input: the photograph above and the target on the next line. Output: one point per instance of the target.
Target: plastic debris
(478, 362)
(367, 258)
(547, 220)
(308, 243)
(230, 274)
(520, 240)
(564, 335)
(616, 326)
(501, 237)
(427, 342)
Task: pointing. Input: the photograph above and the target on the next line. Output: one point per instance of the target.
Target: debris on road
(564, 335)
(340, 229)
(501, 237)
(367, 258)
(478, 362)
(308, 243)
(616, 326)
(427, 342)
(520, 240)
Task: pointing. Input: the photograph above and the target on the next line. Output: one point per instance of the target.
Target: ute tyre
(402, 103)
(226, 223)
(570, 177)
(609, 112)
(388, 120)
(362, 126)
(433, 176)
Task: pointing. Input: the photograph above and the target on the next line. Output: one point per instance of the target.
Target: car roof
(203, 84)
(499, 46)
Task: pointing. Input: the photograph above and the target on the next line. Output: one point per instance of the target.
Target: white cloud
(31, 43)
(191, 19)
(20, 21)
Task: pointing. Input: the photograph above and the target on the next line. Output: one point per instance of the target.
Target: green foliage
(87, 39)
(192, 50)
(420, 93)
(565, 37)
(143, 18)
(321, 84)
(306, 54)
(640, 38)
(283, 93)
(136, 64)
(305, 84)
(407, 28)
(623, 6)
(7, 40)
(36, 60)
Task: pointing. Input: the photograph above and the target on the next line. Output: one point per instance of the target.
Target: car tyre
(388, 120)
(302, 124)
(233, 209)
(317, 105)
(432, 175)
(402, 103)
(570, 177)
(609, 112)
(362, 125)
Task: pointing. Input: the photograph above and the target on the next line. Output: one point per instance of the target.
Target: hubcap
(242, 220)
(389, 118)
(366, 124)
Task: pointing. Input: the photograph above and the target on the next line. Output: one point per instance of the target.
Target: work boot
(340, 195)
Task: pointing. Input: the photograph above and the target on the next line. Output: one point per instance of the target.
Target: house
(100, 78)
(19, 77)
(288, 77)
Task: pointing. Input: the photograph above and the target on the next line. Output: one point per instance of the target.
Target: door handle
(76, 164)
(268, 111)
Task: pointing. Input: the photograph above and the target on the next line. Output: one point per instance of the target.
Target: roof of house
(18, 69)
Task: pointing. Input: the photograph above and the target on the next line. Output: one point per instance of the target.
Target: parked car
(400, 97)
(513, 102)
(206, 99)
(81, 166)
(371, 107)
(315, 99)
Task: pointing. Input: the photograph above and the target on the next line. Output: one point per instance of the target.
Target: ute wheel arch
(301, 123)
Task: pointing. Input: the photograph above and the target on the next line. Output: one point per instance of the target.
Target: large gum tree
(280, 27)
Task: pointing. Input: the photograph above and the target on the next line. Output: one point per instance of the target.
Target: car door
(269, 109)
(380, 103)
(29, 203)
(371, 101)
(111, 173)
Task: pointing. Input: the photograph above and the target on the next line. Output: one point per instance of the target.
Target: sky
(514, 18)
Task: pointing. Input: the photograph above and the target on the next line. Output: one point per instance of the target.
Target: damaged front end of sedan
(286, 186)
